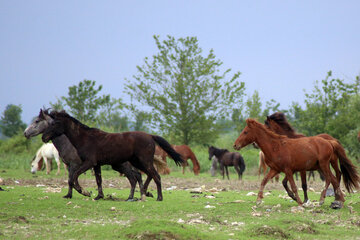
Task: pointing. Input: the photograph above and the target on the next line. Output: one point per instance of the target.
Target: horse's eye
(245, 132)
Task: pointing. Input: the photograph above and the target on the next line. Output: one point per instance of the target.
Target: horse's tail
(242, 164)
(160, 165)
(168, 149)
(348, 169)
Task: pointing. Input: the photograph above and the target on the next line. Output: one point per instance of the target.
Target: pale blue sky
(281, 47)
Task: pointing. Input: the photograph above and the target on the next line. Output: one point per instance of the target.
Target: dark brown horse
(289, 155)
(226, 158)
(70, 157)
(96, 148)
(277, 122)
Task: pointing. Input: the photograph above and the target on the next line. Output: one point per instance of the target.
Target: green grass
(31, 212)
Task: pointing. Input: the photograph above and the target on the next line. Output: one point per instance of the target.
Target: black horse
(226, 158)
(70, 157)
(96, 148)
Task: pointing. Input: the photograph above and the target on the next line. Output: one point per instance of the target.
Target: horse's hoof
(143, 197)
(98, 197)
(321, 202)
(67, 196)
(336, 205)
(159, 199)
(259, 202)
(86, 193)
(149, 194)
(131, 200)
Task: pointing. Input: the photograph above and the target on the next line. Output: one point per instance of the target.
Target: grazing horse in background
(263, 167)
(70, 157)
(277, 122)
(45, 153)
(96, 148)
(288, 155)
(186, 154)
(226, 158)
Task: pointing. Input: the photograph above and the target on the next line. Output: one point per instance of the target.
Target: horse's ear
(250, 122)
(268, 118)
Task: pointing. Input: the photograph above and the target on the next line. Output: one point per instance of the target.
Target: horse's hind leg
(238, 171)
(339, 197)
(227, 172)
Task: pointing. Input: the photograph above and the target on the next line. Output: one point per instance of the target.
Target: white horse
(45, 153)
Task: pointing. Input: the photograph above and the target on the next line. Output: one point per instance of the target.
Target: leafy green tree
(84, 100)
(85, 103)
(185, 90)
(253, 106)
(323, 105)
(11, 122)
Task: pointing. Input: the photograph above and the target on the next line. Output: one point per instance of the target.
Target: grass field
(32, 207)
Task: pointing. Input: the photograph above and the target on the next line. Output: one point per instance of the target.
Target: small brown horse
(226, 158)
(263, 167)
(290, 155)
(96, 148)
(277, 122)
(186, 154)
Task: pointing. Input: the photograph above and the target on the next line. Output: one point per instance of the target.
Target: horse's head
(211, 152)
(36, 165)
(39, 124)
(247, 135)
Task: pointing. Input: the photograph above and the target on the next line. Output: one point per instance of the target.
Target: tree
(85, 104)
(11, 122)
(185, 91)
(253, 106)
(324, 106)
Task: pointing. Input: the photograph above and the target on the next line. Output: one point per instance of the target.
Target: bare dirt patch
(271, 232)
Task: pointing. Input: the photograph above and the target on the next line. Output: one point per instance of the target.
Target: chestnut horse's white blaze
(46, 152)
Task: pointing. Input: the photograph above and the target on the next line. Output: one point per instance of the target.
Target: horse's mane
(218, 150)
(250, 122)
(280, 119)
(64, 114)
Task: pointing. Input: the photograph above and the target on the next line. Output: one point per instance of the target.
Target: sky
(280, 47)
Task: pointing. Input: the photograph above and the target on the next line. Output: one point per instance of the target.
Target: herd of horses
(132, 153)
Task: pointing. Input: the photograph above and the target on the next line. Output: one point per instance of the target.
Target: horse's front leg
(222, 170)
(289, 192)
(304, 185)
(58, 166)
(289, 175)
(227, 172)
(269, 176)
(97, 170)
(47, 164)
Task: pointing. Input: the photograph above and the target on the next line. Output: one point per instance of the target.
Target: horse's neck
(266, 142)
(75, 134)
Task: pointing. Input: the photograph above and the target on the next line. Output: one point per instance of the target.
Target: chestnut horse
(70, 157)
(289, 155)
(277, 122)
(186, 154)
(96, 148)
(226, 158)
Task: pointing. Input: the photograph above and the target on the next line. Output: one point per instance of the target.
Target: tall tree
(85, 103)
(323, 105)
(186, 91)
(11, 122)
(253, 106)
